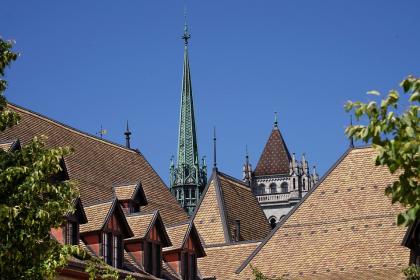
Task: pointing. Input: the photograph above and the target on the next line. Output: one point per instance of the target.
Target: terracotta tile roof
(125, 192)
(177, 234)
(99, 214)
(141, 224)
(96, 215)
(275, 157)
(345, 224)
(222, 261)
(225, 200)
(97, 165)
(169, 273)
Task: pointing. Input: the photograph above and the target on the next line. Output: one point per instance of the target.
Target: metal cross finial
(275, 120)
(186, 35)
(101, 132)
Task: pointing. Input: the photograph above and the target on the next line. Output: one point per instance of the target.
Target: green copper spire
(187, 178)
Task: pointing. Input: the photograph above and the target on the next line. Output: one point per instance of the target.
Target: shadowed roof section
(345, 226)
(275, 157)
(97, 165)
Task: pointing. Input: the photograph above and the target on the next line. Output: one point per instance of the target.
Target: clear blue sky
(88, 63)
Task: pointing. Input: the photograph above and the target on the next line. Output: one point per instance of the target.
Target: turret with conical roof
(187, 177)
(279, 180)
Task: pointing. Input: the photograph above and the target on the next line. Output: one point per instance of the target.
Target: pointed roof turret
(187, 175)
(275, 158)
(127, 134)
(187, 142)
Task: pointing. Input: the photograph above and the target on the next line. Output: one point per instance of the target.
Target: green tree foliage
(393, 129)
(31, 200)
(258, 275)
(412, 272)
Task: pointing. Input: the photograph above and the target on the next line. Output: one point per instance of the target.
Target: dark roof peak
(275, 157)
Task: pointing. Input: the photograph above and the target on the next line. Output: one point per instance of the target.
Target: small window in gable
(112, 249)
(152, 260)
(72, 232)
(189, 266)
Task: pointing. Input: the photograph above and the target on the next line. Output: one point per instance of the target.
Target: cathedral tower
(187, 177)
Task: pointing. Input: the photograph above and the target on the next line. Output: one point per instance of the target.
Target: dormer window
(152, 257)
(72, 233)
(189, 266)
(131, 197)
(112, 249)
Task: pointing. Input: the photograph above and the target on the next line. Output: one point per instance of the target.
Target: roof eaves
(255, 252)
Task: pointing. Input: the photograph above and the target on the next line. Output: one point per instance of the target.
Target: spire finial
(127, 134)
(275, 120)
(214, 149)
(186, 35)
(351, 138)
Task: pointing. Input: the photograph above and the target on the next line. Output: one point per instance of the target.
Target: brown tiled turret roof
(275, 157)
(98, 165)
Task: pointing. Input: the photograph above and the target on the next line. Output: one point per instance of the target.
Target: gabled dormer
(187, 247)
(68, 233)
(149, 238)
(131, 197)
(10, 146)
(105, 231)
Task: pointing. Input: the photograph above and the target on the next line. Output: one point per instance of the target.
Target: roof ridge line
(235, 180)
(70, 128)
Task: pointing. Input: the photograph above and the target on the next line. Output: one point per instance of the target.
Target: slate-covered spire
(187, 178)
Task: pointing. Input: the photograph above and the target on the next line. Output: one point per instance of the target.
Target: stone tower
(279, 181)
(187, 177)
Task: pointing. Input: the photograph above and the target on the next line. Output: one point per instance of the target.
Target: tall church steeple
(187, 178)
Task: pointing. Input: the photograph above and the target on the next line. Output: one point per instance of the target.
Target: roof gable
(344, 223)
(144, 223)
(209, 216)
(98, 165)
(181, 234)
(275, 158)
(225, 200)
(100, 215)
(131, 192)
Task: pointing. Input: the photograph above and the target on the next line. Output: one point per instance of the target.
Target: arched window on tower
(261, 189)
(294, 183)
(273, 188)
(284, 187)
(272, 222)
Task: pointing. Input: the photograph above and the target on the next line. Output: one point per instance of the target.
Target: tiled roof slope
(177, 235)
(140, 224)
(98, 165)
(343, 227)
(125, 192)
(225, 200)
(222, 261)
(96, 216)
(241, 204)
(275, 157)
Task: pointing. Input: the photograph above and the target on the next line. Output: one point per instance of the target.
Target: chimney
(237, 230)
